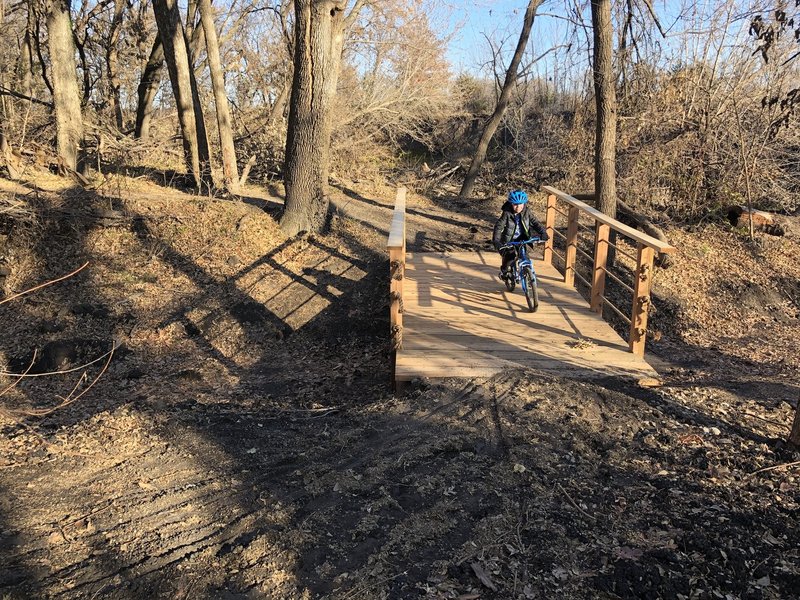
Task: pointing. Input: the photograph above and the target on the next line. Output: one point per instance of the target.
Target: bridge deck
(459, 321)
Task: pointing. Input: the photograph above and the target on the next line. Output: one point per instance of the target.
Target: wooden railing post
(600, 261)
(641, 298)
(572, 245)
(550, 225)
(397, 267)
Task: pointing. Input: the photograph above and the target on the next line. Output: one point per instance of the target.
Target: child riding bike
(516, 222)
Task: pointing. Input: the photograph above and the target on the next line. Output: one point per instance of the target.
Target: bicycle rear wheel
(531, 291)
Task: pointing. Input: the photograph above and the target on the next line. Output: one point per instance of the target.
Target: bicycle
(522, 272)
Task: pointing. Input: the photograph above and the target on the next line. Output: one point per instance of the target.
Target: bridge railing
(397, 268)
(646, 247)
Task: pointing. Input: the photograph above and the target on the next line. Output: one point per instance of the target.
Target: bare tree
(319, 39)
(230, 173)
(502, 102)
(66, 98)
(605, 145)
(148, 87)
(112, 60)
(184, 88)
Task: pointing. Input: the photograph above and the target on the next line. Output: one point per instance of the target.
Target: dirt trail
(245, 445)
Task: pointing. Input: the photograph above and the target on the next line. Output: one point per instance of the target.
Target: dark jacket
(505, 227)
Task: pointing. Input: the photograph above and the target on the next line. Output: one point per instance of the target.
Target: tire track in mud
(384, 484)
(144, 528)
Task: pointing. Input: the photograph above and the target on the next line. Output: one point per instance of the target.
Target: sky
(470, 21)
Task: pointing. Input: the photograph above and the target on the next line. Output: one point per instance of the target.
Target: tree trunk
(794, 435)
(148, 87)
(319, 36)
(606, 105)
(278, 107)
(36, 37)
(25, 69)
(502, 102)
(66, 97)
(184, 88)
(230, 173)
(112, 61)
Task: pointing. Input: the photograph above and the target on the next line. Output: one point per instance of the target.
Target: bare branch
(45, 284)
(7, 92)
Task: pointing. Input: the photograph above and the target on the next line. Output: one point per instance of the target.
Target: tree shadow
(307, 477)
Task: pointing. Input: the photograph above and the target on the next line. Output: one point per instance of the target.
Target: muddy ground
(243, 442)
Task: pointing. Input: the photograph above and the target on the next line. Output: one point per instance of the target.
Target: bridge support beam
(602, 232)
(641, 298)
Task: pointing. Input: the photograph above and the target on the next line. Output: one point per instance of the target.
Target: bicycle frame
(522, 261)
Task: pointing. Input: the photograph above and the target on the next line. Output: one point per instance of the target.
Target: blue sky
(473, 19)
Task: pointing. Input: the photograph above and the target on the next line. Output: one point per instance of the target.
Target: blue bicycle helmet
(517, 197)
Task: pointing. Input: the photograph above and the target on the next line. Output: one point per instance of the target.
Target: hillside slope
(243, 442)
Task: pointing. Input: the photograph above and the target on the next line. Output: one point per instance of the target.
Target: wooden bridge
(451, 316)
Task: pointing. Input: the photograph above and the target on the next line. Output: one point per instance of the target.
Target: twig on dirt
(749, 414)
(773, 467)
(45, 284)
(328, 412)
(574, 504)
(69, 399)
(20, 377)
(358, 590)
(26, 375)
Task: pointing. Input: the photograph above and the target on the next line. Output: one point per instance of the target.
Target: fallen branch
(13, 385)
(45, 284)
(574, 504)
(69, 399)
(65, 371)
(7, 92)
(772, 468)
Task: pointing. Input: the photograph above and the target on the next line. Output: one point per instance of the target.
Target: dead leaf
(56, 538)
(628, 553)
(582, 344)
(763, 582)
(483, 576)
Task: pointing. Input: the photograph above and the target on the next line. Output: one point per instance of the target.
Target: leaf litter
(233, 450)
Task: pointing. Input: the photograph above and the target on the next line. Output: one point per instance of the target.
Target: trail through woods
(244, 444)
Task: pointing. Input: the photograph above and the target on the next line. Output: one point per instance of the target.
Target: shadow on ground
(285, 469)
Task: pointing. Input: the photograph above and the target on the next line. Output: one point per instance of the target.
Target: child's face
(518, 208)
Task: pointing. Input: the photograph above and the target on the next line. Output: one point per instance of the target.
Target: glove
(543, 236)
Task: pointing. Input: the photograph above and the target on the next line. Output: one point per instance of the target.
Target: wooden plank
(641, 300)
(397, 231)
(480, 367)
(601, 236)
(572, 246)
(460, 321)
(396, 303)
(550, 226)
(630, 232)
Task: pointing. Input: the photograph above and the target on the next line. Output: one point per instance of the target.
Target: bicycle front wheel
(531, 292)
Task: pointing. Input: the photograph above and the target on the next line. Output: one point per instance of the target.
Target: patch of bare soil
(243, 443)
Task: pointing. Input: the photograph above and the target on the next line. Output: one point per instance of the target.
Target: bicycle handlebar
(534, 240)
